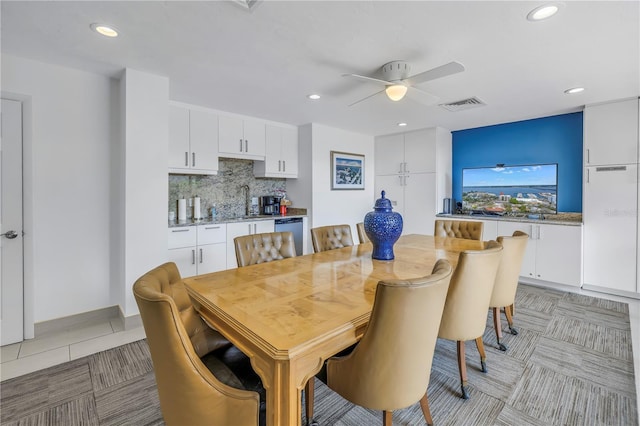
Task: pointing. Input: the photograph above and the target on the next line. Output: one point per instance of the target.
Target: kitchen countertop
(574, 219)
(233, 219)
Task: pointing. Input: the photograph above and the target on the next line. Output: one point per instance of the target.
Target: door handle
(200, 255)
(193, 159)
(10, 235)
(240, 145)
(193, 257)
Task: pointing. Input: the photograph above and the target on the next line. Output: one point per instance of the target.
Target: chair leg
(498, 327)
(308, 399)
(387, 418)
(462, 367)
(483, 355)
(424, 404)
(508, 312)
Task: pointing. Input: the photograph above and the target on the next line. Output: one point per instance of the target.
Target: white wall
(330, 207)
(67, 158)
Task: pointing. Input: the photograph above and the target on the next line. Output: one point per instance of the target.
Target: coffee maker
(269, 204)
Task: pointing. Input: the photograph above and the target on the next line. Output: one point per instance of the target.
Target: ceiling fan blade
(370, 79)
(437, 72)
(365, 98)
(422, 97)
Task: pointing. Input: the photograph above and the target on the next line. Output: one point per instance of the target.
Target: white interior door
(11, 241)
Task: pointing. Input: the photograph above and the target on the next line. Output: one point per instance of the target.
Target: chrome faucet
(245, 189)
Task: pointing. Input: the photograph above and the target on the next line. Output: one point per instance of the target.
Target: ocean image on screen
(510, 190)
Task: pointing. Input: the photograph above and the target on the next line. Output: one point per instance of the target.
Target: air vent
(463, 104)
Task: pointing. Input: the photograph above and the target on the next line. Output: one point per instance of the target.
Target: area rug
(570, 364)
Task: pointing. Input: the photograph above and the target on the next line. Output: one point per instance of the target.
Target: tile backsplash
(223, 190)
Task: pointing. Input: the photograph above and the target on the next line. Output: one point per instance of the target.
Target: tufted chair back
(331, 237)
(177, 337)
(406, 315)
(458, 229)
(362, 235)
(260, 248)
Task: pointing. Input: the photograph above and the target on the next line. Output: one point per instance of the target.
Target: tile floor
(92, 337)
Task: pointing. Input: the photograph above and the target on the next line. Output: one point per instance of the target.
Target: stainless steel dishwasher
(294, 225)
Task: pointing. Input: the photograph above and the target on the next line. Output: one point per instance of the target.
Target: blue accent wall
(556, 139)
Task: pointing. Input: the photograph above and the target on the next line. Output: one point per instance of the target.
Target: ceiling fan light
(396, 92)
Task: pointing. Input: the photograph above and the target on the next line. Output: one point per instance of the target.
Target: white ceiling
(265, 61)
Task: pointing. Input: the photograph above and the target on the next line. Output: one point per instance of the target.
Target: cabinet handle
(200, 255)
(279, 165)
(588, 156)
(186, 159)
(211, 227)
(193, 159)
(588, 175)
(246, 145)
(284, 165)
(400, 177)
(249, 225)
(405, 168)
(240, 145)
(180, 230)
(193, 257)
(255, 228)
(401, 168)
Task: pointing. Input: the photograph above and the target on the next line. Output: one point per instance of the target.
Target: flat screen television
(510, 190)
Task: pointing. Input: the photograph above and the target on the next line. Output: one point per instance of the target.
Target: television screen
(511, 190)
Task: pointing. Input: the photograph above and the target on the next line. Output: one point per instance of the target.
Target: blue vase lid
(383, 204)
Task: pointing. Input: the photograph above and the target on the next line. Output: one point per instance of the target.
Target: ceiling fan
(396, 79)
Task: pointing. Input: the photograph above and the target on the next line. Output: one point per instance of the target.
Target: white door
(11, 241)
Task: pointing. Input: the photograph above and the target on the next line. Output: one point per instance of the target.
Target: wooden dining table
(290, 315)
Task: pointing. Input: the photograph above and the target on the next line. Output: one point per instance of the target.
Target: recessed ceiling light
(313, 96)
(543, 12)
(574, 90)
(402, 124)
(105, 30)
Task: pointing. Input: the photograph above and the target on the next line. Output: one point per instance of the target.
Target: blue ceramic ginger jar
(383, 227)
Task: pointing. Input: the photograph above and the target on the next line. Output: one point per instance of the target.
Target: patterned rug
(571, 364)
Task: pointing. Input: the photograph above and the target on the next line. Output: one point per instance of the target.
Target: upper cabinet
(281, 154)
(412, 152)
(193, 141)
(242, 138)
(610, 125)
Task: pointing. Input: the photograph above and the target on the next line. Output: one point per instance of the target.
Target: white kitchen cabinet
(193, 141)
(242, 138)
(611, 133)
(281, 153)
(198, 249)
(407, 168)
(237, 229)
(610, 200)
(553, 252)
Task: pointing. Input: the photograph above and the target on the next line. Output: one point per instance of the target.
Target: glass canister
(383, 226)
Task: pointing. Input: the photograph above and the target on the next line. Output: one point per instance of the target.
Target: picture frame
(347, 170)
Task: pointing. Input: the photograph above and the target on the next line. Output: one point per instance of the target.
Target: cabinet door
(204, 140)
(529, 261)
(212, 233)
(263, 226)
(611, 133)
(230, 135)
(212, 258)
(235, 230)
(389, 155)
(273, 150)
(610, 227)
(558, 254)
(419, 203)
(420, 151)
(254, 138)
(289, 153)
(178, 138)
(184, 236)
(185, 260)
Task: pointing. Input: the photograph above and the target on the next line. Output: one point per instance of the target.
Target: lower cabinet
(553, 252)
(198, 249)
(238, 229)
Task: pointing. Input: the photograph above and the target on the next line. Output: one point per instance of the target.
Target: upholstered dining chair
(390, 366)
(465, 311)
(265, 247)
(506, 284)
(331, 237)
(469, 230)
(178, 338)
(362, 235)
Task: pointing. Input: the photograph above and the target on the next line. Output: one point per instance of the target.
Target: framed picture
(347, 170)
